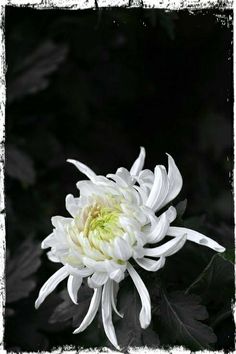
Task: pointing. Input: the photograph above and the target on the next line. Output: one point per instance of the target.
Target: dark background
(94, 86)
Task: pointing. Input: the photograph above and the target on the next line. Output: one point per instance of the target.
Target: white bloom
(112, 221)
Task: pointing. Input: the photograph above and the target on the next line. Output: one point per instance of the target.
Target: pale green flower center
(102, 223)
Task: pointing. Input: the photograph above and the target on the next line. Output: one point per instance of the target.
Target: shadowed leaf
(20, 269)
(19, 165)
(32, 74)
(180, 321)
(217, 275)
(69, 313)
(181, 207)
(128, 329)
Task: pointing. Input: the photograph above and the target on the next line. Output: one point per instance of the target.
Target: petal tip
(220, 249)
(142, 149)
(37, 304)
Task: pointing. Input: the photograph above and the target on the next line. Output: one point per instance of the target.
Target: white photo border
(190, 5)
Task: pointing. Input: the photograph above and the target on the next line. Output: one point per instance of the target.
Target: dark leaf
(229, 255)
(224, 313)
(128, 329)
(32, 74)
(217, 275)
(69, 313)
(180, 318)
(195, 222)
(181, 207)
(19, 165)
(20, 269)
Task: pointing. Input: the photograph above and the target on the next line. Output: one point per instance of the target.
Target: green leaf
(180, 321)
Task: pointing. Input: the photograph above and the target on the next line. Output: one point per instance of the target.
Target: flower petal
(60, 221)
(102, 266)
(159, 189)
(82, 272)
(92, 311)
(150, 264)
(168, 248)
(97, 279)
(175, 180)
(73, 285)
(159, 230)
(122, 177)
(83, 169)
(196, 237)
(171, 213)
(72, 204)
(145, 313)
(52, 257)
(117, 275)
(122, 249)
(50, 285)
(114, 291)
(107, 313)
(48, 241)
(138, 163)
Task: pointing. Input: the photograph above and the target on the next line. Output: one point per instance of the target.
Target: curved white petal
(83, 169)
(60, 221)
(72, 204)
(146, 176)
(125, 175)
(122, 177)
(196, 237)
(138, 163)
(52, 257)
(171, 213)
(143, 193)
(82, 272)
(106, 248)
(48, 241)
(117, 275)
(88, 188)
(159, 189)
(150, 264)
(122, 249)
(107, 313)
(102, 266)
(50, 285)
(114, 291)
(129, 223)
(158, 232)
(97, 279)
(73, 285)
(145, 313)
(175, 180)
(92, 311)
(168, 248)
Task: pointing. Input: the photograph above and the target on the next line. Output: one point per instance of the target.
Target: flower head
(113, 220)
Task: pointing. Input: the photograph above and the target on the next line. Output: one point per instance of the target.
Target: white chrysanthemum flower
(112, 221)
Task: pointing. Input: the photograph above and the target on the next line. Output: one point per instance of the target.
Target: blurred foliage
(94, 86)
